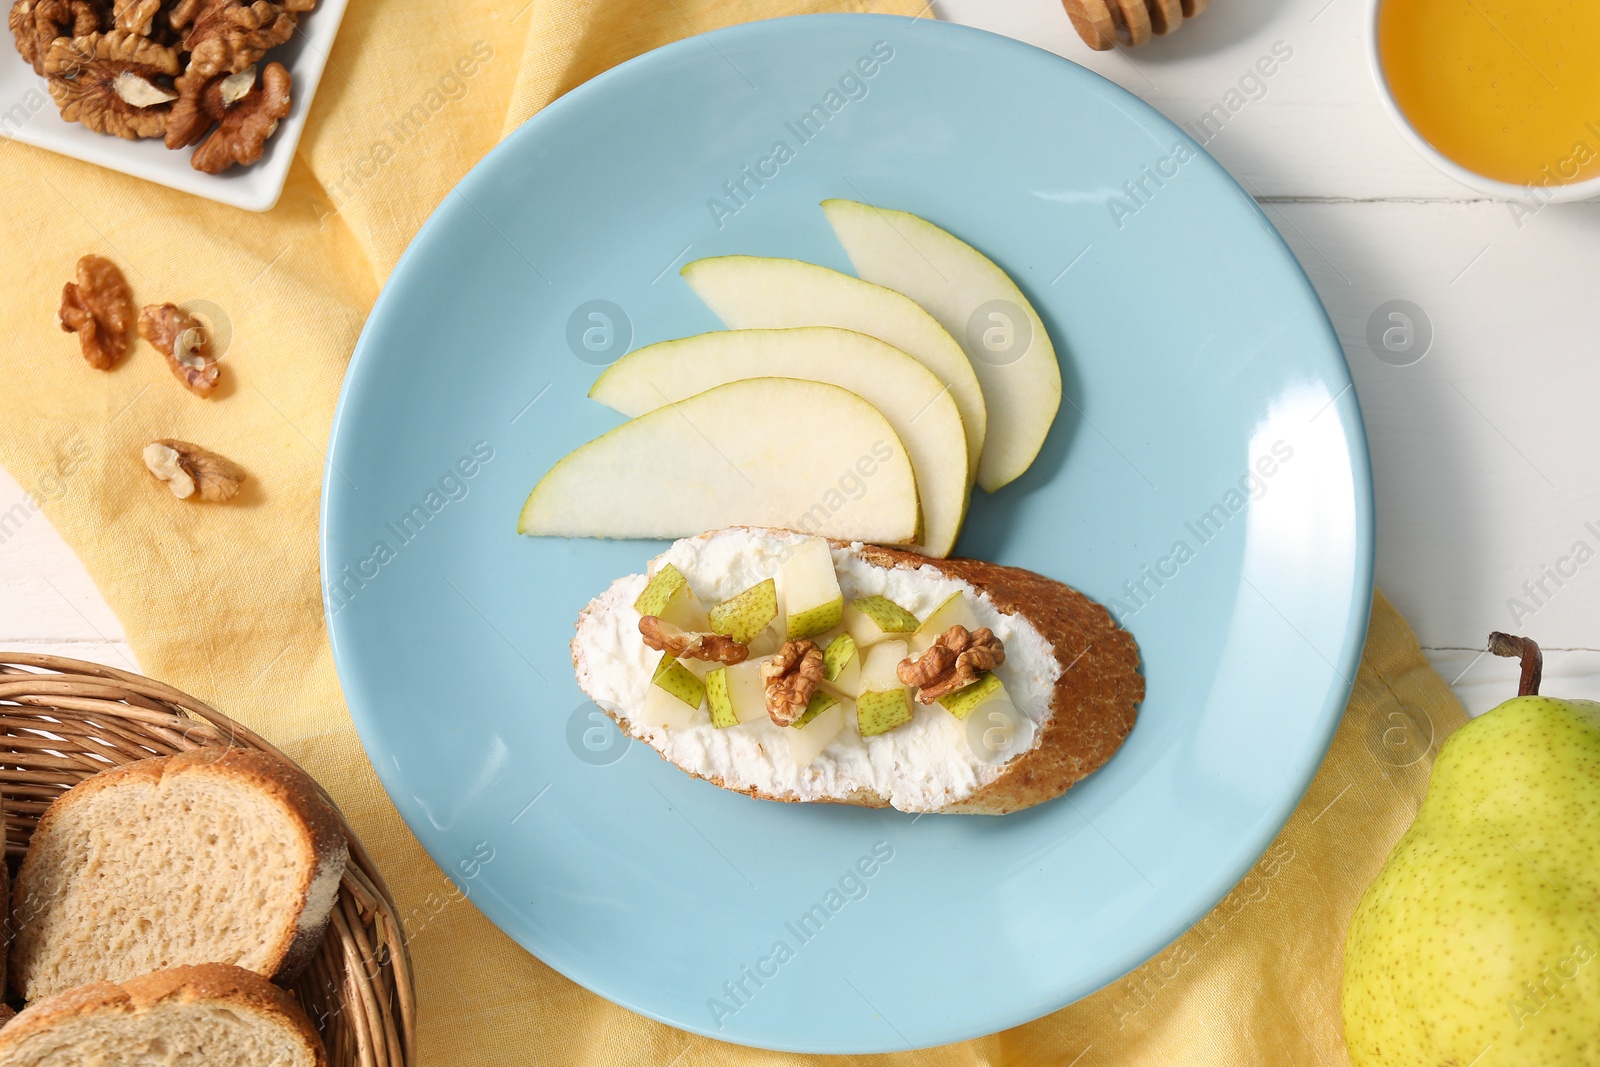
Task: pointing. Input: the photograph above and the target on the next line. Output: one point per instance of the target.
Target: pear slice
(756, 452)
(981, 307)
(916, 403)
(744, 616)
(757, 292)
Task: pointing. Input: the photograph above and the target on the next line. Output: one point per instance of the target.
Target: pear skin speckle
(1479, 942)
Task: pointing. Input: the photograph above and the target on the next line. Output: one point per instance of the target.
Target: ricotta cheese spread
(923, 765)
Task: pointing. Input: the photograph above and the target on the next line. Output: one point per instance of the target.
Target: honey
(1509, 89)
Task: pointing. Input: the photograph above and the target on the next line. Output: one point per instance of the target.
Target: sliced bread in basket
(215, 855)
(210, 1014)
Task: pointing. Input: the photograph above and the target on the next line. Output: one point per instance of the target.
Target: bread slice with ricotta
(209, 1014)
(1069, 670)
(210, 856)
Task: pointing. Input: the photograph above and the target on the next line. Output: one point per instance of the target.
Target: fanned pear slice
(758, 292)
(916, 403)
(761, 451)
(981, 307)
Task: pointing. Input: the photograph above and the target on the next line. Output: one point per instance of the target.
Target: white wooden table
(1485, 451)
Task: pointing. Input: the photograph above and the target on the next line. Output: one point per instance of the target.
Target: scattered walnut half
(182, 338)
(246, 124)
(190, 470)
(789, 679)
(99, 309)
(952, 662)
(112, 82)
(687, 644)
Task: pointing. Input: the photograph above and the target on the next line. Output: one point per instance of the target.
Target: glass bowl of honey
(1501, 95)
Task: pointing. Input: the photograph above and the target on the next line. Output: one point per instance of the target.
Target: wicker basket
(65, 719)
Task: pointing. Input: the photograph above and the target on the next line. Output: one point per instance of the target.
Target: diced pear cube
(961, 702)
(662, 587)
(734, 694)
(841, 666)
(879, 711)
(678, 680)
(813, 733)
(749, 613)
(996, 730)
(661, 708)
(718, 700)
(809, 589)
(820, 701)
(767, 642)
(955, 611)
(668, 597)
(871, 619)
(687, 613)
(880, 668)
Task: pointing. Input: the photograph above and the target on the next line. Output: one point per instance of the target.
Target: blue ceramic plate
(1207, 478)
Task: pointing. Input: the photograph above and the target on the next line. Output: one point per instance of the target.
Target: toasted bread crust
(325, 850)
(1093, 707)
(217, 983)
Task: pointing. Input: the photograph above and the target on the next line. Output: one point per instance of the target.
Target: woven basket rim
(93, 717)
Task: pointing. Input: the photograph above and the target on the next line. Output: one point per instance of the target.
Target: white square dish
(28, 114)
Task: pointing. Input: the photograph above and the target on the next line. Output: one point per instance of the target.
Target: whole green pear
(1479, 942)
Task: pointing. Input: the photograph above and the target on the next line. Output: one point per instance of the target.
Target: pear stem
(1527, 649)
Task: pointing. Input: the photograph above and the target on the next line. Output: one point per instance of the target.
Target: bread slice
(208, 1014)
(1070, 669)
(210, 856)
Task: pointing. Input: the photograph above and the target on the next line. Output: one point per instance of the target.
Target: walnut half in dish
(36, 23)
(117, 82)
(181, 70)
(246, 115)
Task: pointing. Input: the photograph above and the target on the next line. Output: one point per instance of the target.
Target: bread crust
(215, 983)
(324, 849)
(1093, 707)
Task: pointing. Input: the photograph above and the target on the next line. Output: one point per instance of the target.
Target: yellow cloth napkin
(224, 600)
